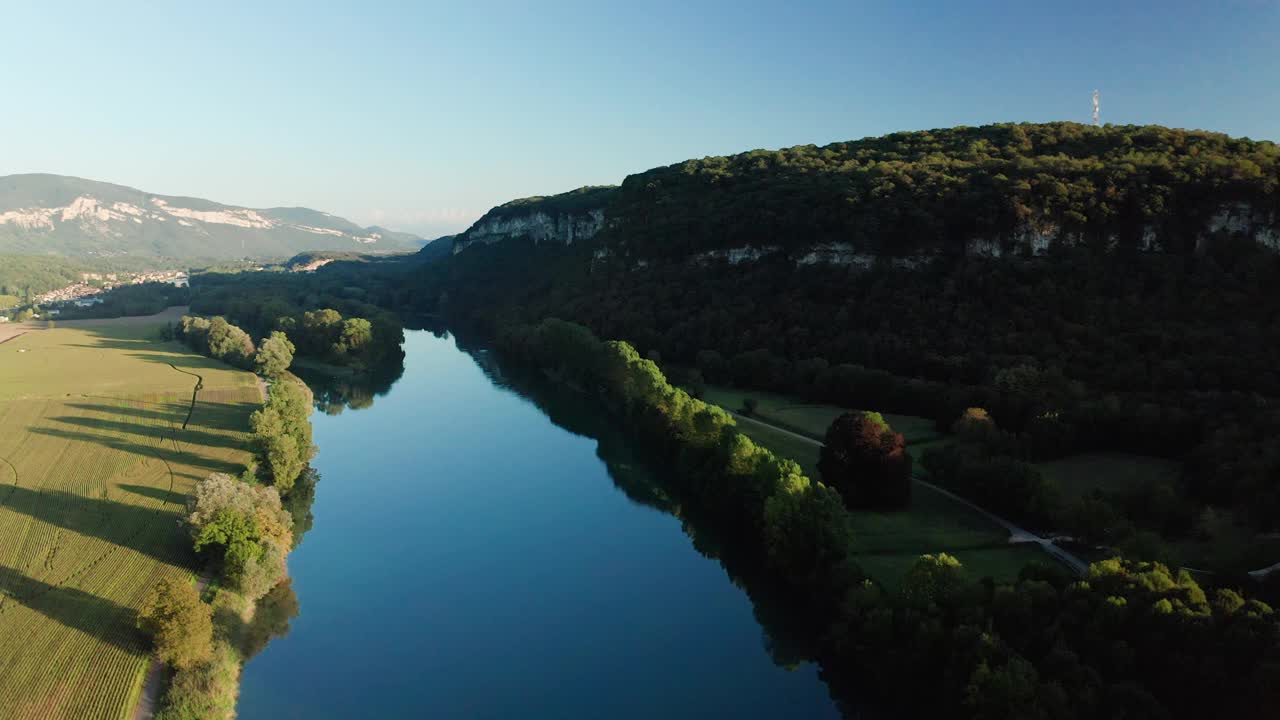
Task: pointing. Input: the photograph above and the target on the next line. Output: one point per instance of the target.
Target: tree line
(244, 528)
(1074, 352)
(1131, 639)
(327, 315)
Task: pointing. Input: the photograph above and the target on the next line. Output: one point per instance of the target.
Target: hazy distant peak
(74, 216)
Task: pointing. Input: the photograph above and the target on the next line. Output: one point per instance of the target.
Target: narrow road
(1017, 535)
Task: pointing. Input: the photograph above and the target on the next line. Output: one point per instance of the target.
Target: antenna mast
(1097, 103)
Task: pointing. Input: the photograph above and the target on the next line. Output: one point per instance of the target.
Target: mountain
(72, 216)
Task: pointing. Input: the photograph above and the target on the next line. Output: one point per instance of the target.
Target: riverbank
(478, 598)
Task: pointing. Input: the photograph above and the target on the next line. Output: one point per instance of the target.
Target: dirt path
(1017, 535)
(157, 677)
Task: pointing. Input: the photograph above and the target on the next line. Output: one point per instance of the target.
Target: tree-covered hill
(943, 190)
(1095, 289)
(979, 190)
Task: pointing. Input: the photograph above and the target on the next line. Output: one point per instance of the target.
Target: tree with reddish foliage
(866, 462)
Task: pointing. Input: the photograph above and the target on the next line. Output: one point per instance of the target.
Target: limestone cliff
(566, 219)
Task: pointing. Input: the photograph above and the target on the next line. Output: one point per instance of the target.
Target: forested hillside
(951, 189)
(1095, 289)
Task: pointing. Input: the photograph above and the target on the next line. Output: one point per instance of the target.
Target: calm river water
(471, 558)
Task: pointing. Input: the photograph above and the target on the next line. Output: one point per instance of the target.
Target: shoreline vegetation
(1045, 644)
(243, 527)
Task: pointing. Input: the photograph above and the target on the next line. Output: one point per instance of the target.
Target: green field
(810, 419)
(94, 470)
(1080, 475)
(1000, 563)
(889, 542)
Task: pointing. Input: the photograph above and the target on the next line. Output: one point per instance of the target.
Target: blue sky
(422, 115)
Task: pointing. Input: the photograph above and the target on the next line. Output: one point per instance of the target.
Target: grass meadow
(95, 469)
(808, 418)
(1080, 475)
(888, 542)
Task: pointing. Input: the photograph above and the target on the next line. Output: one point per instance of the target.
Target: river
(473, 558)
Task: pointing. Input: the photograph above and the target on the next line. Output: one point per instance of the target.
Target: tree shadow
(105, 344)
(188, 457)
(183, 360)
(73, 608)
(167, 496)
(197, 437)
(112, 521)
(213, 416)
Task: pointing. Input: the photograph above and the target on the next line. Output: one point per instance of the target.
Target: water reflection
(356, 391)
(787, 638)
(470, 559)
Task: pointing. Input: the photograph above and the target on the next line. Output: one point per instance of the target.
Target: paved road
(1017, 535)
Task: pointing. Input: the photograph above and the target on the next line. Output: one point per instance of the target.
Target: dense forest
(1146, 333)
(327, 320)
(1131, 640)
(935, 191)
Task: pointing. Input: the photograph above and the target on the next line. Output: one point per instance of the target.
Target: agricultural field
(95, 467)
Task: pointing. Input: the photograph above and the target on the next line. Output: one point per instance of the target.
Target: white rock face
(983, 247)
(746, 253)
(92, 215)
(319, 231)
(29, 219)
(1234, 219)
(1242, 219)
(239, 217)
(836, 254)
(563, 228)
(313, 265)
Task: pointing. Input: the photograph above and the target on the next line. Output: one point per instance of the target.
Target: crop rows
(91, 491)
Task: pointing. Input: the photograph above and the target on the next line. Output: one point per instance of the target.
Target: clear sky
(421, 115)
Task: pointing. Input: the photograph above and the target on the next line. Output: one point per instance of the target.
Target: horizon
(340, 110)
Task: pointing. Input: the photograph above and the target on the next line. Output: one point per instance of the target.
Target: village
(91, 284)
(87, 293)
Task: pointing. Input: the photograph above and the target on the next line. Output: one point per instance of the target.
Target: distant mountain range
(71, 216)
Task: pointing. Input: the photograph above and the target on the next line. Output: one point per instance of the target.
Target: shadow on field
(109, 520)
(156, 493)
(197, 437)
(223, 417)
(144, 349)
(183, 360)
(186, 456)
(105, 344)
(73, 608)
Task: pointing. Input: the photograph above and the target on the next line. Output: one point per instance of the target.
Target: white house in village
(87, 302)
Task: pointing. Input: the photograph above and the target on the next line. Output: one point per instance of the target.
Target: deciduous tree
(866, 461)
(179, 623)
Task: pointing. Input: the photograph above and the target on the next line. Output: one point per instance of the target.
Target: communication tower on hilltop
(1097, 104)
